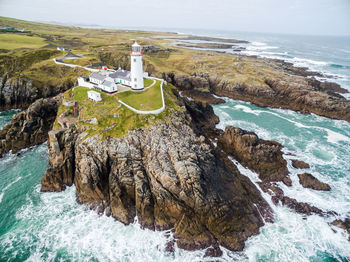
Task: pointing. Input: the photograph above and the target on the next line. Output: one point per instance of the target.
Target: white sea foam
(247, 109)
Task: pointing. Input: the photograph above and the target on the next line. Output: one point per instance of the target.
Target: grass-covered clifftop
(108, 117)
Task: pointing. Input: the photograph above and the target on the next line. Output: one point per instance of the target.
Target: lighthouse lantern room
(136, 67)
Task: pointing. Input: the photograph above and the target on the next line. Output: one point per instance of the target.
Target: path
(71, 65)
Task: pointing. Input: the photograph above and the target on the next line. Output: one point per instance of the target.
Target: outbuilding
(93, 95)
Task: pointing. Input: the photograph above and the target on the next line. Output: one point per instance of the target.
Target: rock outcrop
(262, 156)
(29, 127)
(309, 181)
(299, 164)
(167, 175)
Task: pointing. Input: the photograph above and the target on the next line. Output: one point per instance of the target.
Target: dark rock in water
(262, 156)
(29, 127)
(309, 181)
(343, 224)
(168, 175)
(299, 164)
(301, 207)
(213, 252)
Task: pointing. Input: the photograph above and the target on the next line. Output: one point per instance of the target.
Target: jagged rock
(299, 164)
(213, 252)
(60, 173)
(29, 127)
(262, 156)
(309, 181)
(343, 224)
(167, 175)
(300, 207)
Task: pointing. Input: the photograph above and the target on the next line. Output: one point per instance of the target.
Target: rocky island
(174, 170)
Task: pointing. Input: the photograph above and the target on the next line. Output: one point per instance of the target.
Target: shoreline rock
(300, 164)
(309, 181)
(293, 92)
(262, 156)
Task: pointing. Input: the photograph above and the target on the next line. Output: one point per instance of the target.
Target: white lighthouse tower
(136, 67)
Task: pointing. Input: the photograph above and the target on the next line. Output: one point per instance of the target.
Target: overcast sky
(323, 17)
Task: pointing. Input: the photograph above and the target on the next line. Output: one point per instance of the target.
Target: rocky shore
(294, 92)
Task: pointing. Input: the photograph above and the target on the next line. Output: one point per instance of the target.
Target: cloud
(294, 16)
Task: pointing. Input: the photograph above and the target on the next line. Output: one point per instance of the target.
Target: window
(135, 60)
(135, 79)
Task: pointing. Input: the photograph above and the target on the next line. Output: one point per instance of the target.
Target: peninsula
(145, 145)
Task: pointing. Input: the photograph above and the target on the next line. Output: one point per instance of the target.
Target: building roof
(121, 74)
(94, 92)
(98, 76)
(135, 44)
(108, 83)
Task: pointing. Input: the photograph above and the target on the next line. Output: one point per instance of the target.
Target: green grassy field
(13, 41)
(150, 99)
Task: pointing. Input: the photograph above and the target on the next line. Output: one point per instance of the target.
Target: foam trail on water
(7, 187)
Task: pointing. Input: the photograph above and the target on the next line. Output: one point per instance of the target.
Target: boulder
(299, 164)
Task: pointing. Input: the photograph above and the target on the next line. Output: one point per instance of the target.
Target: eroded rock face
(61, 145)
(262, 156)
(29, 127)
(309, 181)
(168, 176)
(21, 93)
(291, 91)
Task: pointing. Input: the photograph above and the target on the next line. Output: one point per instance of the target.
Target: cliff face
(20, 93)
(29, 127)
(293, 92)
(167, 175)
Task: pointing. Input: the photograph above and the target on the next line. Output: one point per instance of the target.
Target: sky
(316, 17)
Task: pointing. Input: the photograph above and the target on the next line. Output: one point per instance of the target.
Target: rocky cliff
(168, 175)
(29, 127)
(21, 92)
(295, 92)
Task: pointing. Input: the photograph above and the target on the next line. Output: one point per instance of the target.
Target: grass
(113, 120)
(147, 82)
(14, 41)
(150, 99)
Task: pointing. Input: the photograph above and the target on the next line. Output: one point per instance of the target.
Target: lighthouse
(136, 67)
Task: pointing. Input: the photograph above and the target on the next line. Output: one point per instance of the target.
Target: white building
(104, 82)
(107, 80)
(93, 95)
(136, 67)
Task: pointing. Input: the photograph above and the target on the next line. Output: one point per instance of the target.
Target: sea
(37, 226)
